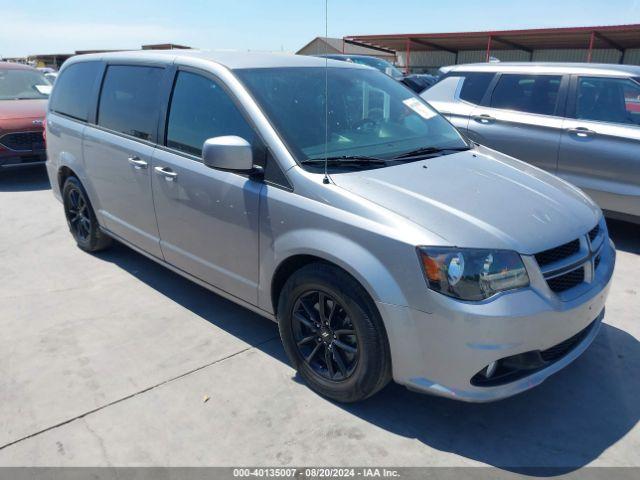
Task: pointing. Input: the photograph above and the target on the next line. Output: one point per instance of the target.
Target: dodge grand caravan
(330, 198)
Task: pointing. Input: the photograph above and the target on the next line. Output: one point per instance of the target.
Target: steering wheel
(366, 125)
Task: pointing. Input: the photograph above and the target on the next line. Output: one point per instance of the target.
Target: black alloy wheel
(333, 334)
(78, 216)
(325, 335)
(81, 218)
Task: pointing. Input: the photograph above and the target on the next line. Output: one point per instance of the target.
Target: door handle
(581, 132)
(484, 118)
(168, 174)
(137, 162)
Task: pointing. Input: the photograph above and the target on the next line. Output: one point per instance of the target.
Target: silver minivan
(327, 197)
(578, 121)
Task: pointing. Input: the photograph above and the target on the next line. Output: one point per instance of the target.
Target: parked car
(49, 73)
(418, 82)
(578, 121)
(383, 243)
(23, 102)
(51, 76)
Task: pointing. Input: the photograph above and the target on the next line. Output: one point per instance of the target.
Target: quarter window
(614, 100)
(72, 94)
(130, 99)
(527, 93)
(474, 86)
(201, 109)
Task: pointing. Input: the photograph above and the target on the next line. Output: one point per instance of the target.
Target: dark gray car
(579, 121)
(418, 82)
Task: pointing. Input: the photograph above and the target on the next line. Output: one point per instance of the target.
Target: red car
(24, 92)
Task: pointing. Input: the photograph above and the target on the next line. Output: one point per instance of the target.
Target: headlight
(472, 274)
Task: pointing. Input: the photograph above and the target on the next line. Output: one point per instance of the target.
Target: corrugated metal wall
(577, 55)
(428, 61)
(471, 56)
(632, 56)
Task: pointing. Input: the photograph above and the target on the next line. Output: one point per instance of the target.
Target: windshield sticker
(44, 89)
(419, 107)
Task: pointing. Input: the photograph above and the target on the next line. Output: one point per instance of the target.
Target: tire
(81, 218)
(348, 308)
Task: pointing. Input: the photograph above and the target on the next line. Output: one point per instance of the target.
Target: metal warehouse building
(425, 52)
(55, 60)
(324, 45)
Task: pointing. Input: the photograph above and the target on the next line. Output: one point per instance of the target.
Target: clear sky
(60, 26)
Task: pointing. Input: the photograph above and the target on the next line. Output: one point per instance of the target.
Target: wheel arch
(65, 172)
(288, 267)
(294, 263)
(360, 264)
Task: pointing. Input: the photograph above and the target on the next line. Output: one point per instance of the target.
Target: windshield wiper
(429, 151)
(345, 160)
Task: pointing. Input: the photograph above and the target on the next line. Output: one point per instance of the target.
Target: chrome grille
(566, 281)
(23, 141)
(558, 253)
(596, 262)
(573, 263)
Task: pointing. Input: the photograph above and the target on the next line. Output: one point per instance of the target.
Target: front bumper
(440, 351)
(11, 159)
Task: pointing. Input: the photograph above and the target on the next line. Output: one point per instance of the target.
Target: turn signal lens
(431, 268)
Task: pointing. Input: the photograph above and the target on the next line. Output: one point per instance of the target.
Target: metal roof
(619, 37)
(165, 46)
(340, 45)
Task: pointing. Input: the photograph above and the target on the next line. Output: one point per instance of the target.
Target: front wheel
(81, 218)
(333, 334)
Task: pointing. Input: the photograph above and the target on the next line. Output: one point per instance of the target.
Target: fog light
(491, 369)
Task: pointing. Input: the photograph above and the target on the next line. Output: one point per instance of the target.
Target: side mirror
(228, 153)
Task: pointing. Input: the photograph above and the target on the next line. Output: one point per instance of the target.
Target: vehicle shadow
(555, 428)
(234, 319)
(625, 235)
(24, 179)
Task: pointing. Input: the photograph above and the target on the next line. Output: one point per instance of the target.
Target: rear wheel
(333, 334)
(81, 218)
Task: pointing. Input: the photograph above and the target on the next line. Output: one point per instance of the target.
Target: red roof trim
(533, 31)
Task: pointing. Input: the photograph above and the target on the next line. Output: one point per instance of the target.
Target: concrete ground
(106, 359)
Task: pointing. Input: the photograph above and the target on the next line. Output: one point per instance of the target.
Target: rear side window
(613, 100)
(201, 109)
(129, 101)
(475, 85)
(72, 95)
(527, 93)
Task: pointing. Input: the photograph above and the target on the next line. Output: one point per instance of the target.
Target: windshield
(19, 84)
(382, 65)
(369, 114)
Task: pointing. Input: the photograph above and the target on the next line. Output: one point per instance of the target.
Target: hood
(16, 109)
(480, 198)
(418, 82)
